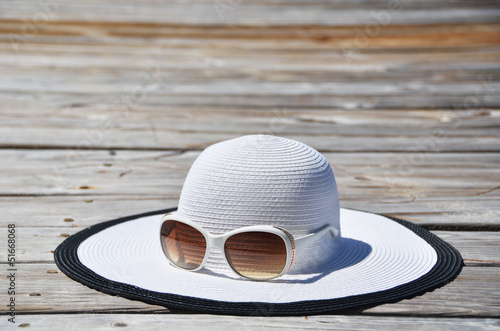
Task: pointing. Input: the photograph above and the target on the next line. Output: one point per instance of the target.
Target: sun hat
(262, 182)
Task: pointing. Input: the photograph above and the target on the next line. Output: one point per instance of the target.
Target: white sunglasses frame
(294, 246)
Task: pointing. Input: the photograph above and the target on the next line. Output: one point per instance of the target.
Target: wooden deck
(104, 107)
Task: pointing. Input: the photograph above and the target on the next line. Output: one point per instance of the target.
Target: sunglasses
(258, 252)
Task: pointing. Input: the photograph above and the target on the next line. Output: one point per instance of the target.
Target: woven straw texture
(263, 180)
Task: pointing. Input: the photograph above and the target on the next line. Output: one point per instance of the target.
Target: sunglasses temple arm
(304, 242)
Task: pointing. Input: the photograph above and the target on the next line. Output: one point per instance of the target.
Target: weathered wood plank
(430, 189)
(86, 210)
(231, 323)
(276, 96)
(254, 67)
(395, 86)
(217, 56)
(255, 88)
(162, 173)
(268, 13)
(193, 128)
(366, 35)
(114, 101)
(227, 53)
(474, 293)
(476, 248)
(441, 123)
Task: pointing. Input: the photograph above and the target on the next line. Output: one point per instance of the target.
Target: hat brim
(382, 260)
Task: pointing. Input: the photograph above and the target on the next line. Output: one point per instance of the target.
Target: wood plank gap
(197, 149)
(463, 227)
(481, 265)
(97, 148)
(403, 315)
(170, 311)
(36, 195)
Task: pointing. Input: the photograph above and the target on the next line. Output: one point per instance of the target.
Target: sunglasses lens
(183, 245)
(256, 255)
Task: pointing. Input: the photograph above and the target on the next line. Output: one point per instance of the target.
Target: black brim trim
(448, 266)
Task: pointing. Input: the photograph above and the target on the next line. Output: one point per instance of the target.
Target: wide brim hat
(263, 180)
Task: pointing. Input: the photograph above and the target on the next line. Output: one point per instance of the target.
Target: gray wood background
(104, 105)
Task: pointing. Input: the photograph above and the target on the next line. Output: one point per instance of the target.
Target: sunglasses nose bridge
(217, 241)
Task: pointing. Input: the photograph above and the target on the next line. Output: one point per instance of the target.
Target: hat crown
(263, 180)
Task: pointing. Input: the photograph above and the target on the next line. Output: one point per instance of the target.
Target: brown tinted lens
(184, 245)
(256, 255)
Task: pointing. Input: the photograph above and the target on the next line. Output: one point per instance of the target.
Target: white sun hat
(263, 182)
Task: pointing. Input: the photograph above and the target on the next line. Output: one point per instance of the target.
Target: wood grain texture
(102, 67)
(183, 322)
(367, 35)
(278, 13)
(432, 189)
(340, 130)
